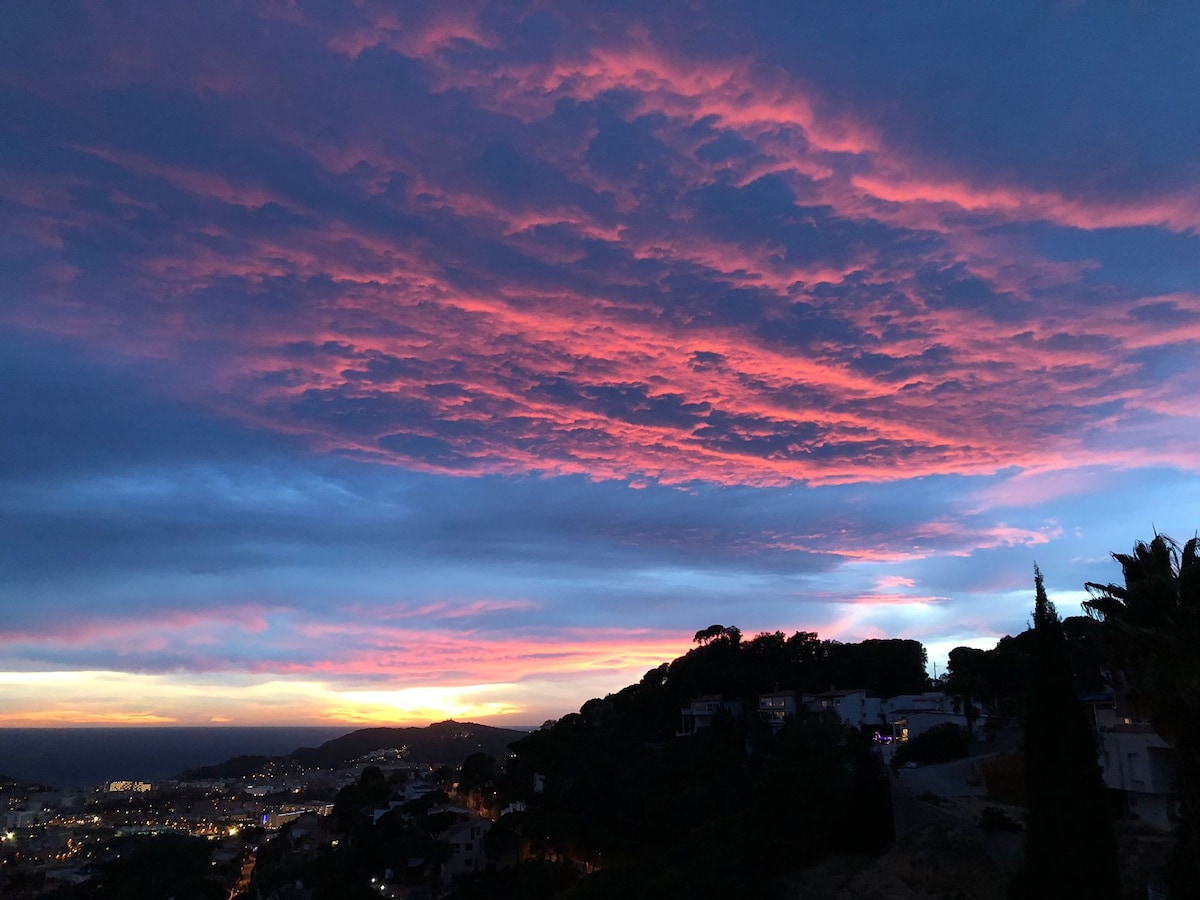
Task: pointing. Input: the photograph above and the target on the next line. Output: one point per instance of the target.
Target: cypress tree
(1070, 848)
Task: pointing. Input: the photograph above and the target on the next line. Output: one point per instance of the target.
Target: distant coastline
(82, 756)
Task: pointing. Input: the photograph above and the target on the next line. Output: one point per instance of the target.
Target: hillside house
(929, 701)
(910, 715)
(699, 714)
(466, 847)
(854, 708)
(1138, 762)
(776, 708)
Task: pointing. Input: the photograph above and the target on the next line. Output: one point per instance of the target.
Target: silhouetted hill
(721, 811)
(442, 743)
(725, 810)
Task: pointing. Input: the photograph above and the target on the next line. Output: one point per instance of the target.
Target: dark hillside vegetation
(151, 867)
(442, 743)
(728, 809)
(617, 804)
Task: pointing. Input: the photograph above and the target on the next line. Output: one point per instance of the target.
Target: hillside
(442, 743)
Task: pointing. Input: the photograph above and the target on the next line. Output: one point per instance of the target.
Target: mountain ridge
(440, 743)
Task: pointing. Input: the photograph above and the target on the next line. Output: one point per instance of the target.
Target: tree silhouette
(730, 633)
(1070, 848)
(1152, 630)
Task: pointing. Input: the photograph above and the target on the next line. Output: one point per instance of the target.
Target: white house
(934, 701)
(466, 847)
(776, 708)
(379, 813)
(1137, 761)
(854, 708)
(909, 715)
(415, 790)
(701, 711)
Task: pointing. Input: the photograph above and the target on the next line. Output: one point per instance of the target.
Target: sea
(82, 757)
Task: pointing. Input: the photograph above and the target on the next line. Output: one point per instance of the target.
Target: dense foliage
(1070, 848)
(727, 809)
(366, 846)
(941, 743)
(151, 867)
(999, 679)
(1151, 629)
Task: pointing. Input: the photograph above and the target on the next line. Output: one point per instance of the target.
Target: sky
(385, 363)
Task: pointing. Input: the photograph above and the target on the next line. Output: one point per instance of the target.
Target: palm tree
(1152, 629)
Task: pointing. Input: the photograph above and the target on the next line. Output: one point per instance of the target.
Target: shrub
(939, 744)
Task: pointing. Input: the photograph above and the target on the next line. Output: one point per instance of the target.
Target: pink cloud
(194, 181)
(882, 598)
(808, 409)
(418, 656)
(397, 643)
(412, 34)
(1015, 203)
(155, 633)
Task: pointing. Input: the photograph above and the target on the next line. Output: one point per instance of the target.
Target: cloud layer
(577, 329)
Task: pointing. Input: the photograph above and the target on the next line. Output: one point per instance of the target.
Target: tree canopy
(1070, 848)
(1151, 628)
